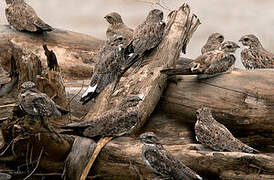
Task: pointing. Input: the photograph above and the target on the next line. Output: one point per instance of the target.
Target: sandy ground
(233, 18)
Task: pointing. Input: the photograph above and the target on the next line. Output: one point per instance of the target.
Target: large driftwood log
(241, 100)
(74, 51)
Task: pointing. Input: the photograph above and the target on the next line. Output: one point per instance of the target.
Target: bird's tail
(89, 94)
(72, 130)
(248, 149)
(178, 71)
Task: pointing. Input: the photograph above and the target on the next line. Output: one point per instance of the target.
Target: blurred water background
(232, 18)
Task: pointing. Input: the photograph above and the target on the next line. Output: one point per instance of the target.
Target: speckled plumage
(22, 17)
(35, 103)
(213, 42)
(117, 27)
(211, 63)
(211, 133)
(255, 56)
(115, 122)
(108, 69)
(147, 35)
(162, 162)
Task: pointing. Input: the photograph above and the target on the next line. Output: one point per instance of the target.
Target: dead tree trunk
(74, 51)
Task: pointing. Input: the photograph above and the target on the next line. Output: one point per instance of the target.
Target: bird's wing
(158, 161)
(147, 36)
(221, 65)
(23, 17)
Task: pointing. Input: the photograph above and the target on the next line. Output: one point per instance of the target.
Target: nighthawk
(115, 122)
(211, 133)
(213, 42)
(162, 162)
(255, 56)
(117, 27)
(22, 17)
(35, 103)
(209, 64)
(147, 36)
(108, 69)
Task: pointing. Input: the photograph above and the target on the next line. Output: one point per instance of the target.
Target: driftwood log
(242, 100)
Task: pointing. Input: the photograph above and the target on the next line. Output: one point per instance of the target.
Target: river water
(232, 18)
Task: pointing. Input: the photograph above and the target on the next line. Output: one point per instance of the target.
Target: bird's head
(113, 18)
(216, 37)
(250, 40)
(149, 138)
(155, 15)
(229, 47)
(28, 85)
(204, 114)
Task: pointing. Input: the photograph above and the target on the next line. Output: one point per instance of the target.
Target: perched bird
(115, 122)
(162, 162)
(117, 27)
(255, 56)
(213, 42)
(211, 133)
(147, 36)
(209, 64)
(22, 17)
(108, 69)
(37, 104)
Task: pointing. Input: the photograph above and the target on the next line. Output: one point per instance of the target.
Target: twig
(73, 98)
(38, 161)
(2, 153)
(8, 105)
(101, 143)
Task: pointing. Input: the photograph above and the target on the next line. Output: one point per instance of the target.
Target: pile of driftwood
(241, 100)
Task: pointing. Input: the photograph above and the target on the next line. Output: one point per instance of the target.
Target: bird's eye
(229, 46)
(246, 39)
(221, 37)
(197, 113)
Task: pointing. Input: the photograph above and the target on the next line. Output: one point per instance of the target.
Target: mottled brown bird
(108, 69)
(162, 162)
(147, 35)
(35, 103)
(255, 56)
(209, 64)
(211, 133)
(115, 122)
(213, 42)
(22, 17)
(117, 27)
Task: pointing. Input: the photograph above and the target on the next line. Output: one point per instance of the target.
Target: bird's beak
(105, 17)
(240, 40)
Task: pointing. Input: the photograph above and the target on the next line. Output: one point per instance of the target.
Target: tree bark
(75, 52)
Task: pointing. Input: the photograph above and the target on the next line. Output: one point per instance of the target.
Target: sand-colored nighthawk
(211, 133)
(162, 162)
(255, 56)
(115, 122)
(117, 26)
(22, 17)
(147, 35)
(35, 103)
(209, 64)
(108, 69)
(213, 42)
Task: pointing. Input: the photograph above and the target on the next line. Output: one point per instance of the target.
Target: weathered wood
(242, 100)
(75, 163)
(147, 82)
(75, 51)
